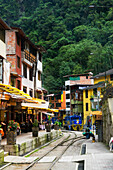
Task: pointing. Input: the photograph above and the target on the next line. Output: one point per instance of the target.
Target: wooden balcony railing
(28, 56)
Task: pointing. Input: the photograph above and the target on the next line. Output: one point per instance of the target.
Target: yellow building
(92, 95)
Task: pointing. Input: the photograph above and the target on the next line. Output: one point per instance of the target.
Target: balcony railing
(76, 102)
(28, 56)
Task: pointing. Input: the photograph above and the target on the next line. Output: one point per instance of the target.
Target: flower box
(35, 131)
(48, 128)
(11, 137)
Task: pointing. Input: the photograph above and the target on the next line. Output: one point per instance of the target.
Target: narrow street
(56, 155)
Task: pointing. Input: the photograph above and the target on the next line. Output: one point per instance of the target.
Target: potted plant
(48, 126)
(18, 129)
(56, 125)
(12, 132)
(35, 128)
(92, 98)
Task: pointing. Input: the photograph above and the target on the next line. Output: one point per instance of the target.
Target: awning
(96, 113)
(14, 91)
(49, 114)
(36, 105)
(53, 110)
(19, 94)
(15, 74)
(39, 100)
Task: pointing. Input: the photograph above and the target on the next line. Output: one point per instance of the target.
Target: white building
(4, 65)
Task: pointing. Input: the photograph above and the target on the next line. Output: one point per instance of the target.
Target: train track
(57, 147)
(67, 142)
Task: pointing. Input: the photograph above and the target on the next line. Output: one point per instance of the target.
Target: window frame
(24, 70)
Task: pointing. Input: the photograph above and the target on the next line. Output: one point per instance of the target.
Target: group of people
(89, 134)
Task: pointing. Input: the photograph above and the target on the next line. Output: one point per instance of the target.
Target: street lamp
(93, 6)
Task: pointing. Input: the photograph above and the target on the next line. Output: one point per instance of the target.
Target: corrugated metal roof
(76, 75)
(109, 72)
(100, 84)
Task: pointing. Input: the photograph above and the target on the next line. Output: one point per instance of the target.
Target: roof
(80, 84)
(21, 32)
(4, 25)
(76, 75)
(41, 89)
(109, 72)
(49, 95)
(100, 84)
(41, 48)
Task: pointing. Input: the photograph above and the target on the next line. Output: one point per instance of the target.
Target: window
(24, 89)
(26, 46)
(68, 104)
(76, 95)
(67, 88)
(51, 105)
(25, 70)
(1, 68)
(111, 77)
(58, 97)
(40, 58)
(39, 75)
(18, 61)
(31, 74)
(86, 76)
(86, 106)
(67, 96)
(52, 98)
(86, 93)
(18, 39)
(13, 82)
(95, 92)
(58, 104)
(31, 92)
(22, 45)
(18, 84)
(2, 35)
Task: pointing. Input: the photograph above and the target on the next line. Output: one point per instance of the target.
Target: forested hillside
(77, 37)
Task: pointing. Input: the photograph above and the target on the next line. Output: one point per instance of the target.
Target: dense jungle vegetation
(77, 37)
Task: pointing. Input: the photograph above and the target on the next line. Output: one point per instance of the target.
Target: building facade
(74, 94)
(93, 95)
(26, 62)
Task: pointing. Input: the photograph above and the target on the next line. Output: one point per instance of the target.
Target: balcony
(76, 102)
(2, 49)
(78, 109)
(28, 58)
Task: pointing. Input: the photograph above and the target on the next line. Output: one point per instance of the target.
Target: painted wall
(86, 100)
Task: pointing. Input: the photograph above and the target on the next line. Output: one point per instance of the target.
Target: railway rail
(57, 147)
(68, 141)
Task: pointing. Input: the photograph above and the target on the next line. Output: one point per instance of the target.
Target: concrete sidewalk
(23, 137)
(26, 143)
(97, 157)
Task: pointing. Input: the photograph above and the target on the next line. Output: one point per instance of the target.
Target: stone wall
(107, 116)
(21, 149)
(1, 156)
